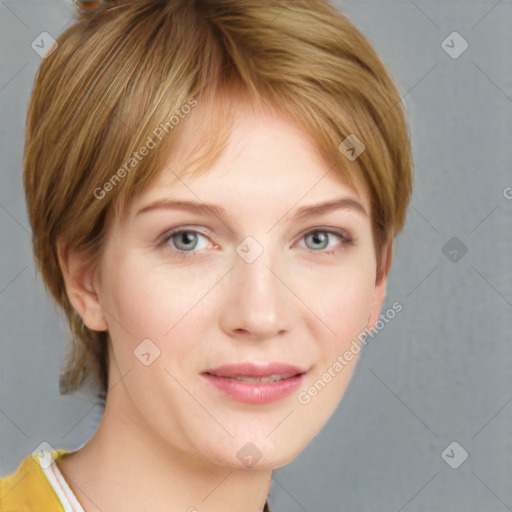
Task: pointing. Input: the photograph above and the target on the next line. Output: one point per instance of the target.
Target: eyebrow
(304, 212)
(342, 203)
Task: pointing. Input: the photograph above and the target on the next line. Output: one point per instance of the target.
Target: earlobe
(78, 279)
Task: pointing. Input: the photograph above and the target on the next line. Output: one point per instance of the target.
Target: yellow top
(28, 489)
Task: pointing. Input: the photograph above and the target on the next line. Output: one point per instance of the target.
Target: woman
(214, 188)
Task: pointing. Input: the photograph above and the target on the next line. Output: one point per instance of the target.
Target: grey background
(439, 372)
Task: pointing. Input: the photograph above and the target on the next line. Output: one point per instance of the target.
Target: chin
(258, 453)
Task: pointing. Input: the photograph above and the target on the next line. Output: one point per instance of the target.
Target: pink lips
(279, 381)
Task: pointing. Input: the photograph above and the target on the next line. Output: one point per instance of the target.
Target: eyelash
(345, 238)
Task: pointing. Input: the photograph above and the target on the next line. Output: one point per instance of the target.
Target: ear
(380, 283)
(79, 282)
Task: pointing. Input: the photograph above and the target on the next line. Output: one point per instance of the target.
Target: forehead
(265, 156)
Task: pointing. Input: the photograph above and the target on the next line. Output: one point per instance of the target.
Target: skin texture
(165, 429)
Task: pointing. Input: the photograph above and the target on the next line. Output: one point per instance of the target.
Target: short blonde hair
(128, 77)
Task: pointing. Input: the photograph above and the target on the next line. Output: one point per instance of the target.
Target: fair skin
(168, 439)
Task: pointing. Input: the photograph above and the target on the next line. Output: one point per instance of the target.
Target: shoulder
(28, 489)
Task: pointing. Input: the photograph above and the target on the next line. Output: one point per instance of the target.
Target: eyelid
(343, 233)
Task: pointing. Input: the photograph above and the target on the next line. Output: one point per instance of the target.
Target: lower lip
(256, 392)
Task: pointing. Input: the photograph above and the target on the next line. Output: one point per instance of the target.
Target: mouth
(270, 378)
(256, 383)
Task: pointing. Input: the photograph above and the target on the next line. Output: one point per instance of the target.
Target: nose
(257, 305)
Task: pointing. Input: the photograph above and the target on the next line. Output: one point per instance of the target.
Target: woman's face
(238, 274)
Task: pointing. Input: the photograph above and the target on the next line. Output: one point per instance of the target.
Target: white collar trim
(60, 486)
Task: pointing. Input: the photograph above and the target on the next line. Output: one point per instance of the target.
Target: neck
(125, 466)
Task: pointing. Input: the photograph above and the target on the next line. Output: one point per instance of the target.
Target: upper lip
(254, 369)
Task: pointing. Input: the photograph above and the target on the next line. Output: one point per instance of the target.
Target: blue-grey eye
(187, 240)
(319, 239)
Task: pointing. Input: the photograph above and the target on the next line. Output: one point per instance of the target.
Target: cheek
(342, 299)
(132, 300)
(350, 304)
(344, 307)
(144, 303)
(148, 301)
(167, 306)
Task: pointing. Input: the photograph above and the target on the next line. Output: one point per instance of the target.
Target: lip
(224, 378)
